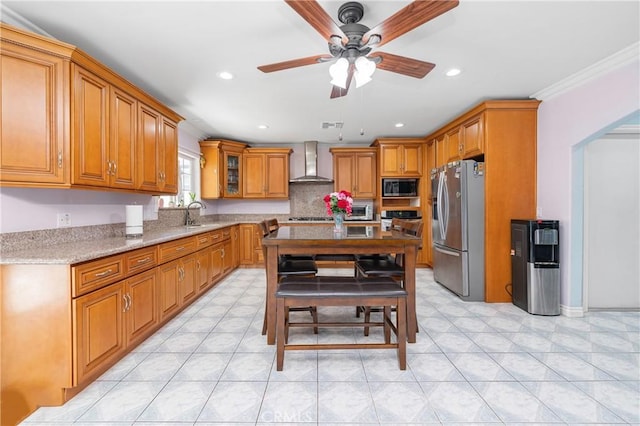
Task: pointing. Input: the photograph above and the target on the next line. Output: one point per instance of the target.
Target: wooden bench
(341, 291)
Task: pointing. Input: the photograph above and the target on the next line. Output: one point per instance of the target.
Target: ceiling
(174, 49)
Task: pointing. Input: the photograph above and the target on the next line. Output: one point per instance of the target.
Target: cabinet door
(169, 289)
(33, 123)
(472, 137)
(187, 278)
(149, 154)
(247, 237)
(122, 140)
(412, 160)
(453, 145)
(90, 139)
(203, 271)
(211, 174)
(390, 160)
(216, 264)
(254, 184)
(441, 151)
(227, 257)
(232, 181)
(365, 175)
(235, 245)
(343, 172)
(276, 176)
(99, 338)
(141, 305)
(169, 157)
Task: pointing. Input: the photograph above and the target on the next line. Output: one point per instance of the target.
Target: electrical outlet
(64, 220)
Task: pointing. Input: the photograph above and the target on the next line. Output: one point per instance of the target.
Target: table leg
(410, 254)
(271, 265)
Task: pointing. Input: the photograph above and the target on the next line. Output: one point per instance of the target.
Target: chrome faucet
(188, 221)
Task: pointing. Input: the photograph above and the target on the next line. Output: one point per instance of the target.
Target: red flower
(342, 204)
(327, 198)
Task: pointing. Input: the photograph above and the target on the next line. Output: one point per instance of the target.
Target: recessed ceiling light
(262, 126)
(399, 124)
(453, 72)
(225, 75)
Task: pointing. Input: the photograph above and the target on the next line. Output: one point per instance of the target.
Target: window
(188, 182)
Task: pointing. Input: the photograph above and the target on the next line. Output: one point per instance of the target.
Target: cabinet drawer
(175, 249)
(226, 233)
(140, 260)
(204, 240)
(95, 274)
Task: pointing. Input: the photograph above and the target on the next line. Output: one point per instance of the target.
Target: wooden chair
(386, 266)
(290, 266)
(295, 292)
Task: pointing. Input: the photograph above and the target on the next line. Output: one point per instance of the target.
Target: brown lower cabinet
(64, 325)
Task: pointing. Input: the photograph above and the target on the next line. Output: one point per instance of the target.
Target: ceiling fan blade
(295, 63)
(336, 91)
(411, 16)
(403, 65)
(317, 17)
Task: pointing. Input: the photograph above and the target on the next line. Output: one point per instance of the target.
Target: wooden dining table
(354, 239)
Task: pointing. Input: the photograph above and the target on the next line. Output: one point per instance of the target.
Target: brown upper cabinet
(399, 157)
(266, 172)
(68, 121)
(221, 168)
(463, 141)
(503, 134)
(354, 170)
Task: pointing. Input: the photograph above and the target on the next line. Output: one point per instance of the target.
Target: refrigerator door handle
(441, 201)
(446, 201)
(448, 252)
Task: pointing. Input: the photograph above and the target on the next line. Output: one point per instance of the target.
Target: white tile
(124, 402)
(249, 367)
(294, 402)
(345, 402)
(203, 367)
(454, 342)
(572, 367)
(570, 403)
(178, 401)
(232, 402)
(476, 367)
(220, 342)
(433, 367)
(341, 366)
(401, 402)
(157, 366)
(524, 367)
(619, 397)
(457, 402)
(513, 403)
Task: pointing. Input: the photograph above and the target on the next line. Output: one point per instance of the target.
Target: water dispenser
(535, 265)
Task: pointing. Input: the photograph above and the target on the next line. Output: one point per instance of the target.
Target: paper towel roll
(133, 221)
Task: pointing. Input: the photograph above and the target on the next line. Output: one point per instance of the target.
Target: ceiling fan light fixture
(364, 70)
(339, 73)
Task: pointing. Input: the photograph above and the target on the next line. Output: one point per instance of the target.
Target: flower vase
(338, 222)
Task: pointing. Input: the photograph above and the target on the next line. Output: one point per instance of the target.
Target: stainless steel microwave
(361, 211)
(399, 187)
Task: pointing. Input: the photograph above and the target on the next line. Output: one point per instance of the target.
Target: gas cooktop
(312, 218)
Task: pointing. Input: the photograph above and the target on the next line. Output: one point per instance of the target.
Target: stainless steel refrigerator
(458, 228)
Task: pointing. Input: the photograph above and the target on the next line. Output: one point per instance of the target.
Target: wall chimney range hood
(311, 166)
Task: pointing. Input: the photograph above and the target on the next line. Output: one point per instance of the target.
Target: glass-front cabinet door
(232, 179)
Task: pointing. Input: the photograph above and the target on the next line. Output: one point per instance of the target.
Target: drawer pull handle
(103, 274)
(180, 248)
(145, 260)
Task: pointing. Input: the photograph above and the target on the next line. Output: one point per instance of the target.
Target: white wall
(612, 222)
(565, 123)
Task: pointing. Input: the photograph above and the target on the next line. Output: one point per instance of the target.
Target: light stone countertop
(81, 251)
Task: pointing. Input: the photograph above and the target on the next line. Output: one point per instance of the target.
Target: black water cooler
(535, 266)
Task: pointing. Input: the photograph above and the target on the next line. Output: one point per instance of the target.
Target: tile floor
(473, 363)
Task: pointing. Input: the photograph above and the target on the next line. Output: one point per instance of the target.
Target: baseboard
(572, 311)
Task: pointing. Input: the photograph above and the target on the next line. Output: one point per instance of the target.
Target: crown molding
(12, 18)
(608, 64)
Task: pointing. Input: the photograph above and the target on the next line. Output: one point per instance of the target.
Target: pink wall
(564, 122)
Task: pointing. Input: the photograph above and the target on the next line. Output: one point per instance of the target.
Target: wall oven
(361, 211)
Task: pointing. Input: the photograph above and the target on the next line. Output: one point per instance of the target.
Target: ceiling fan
(352, 41)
